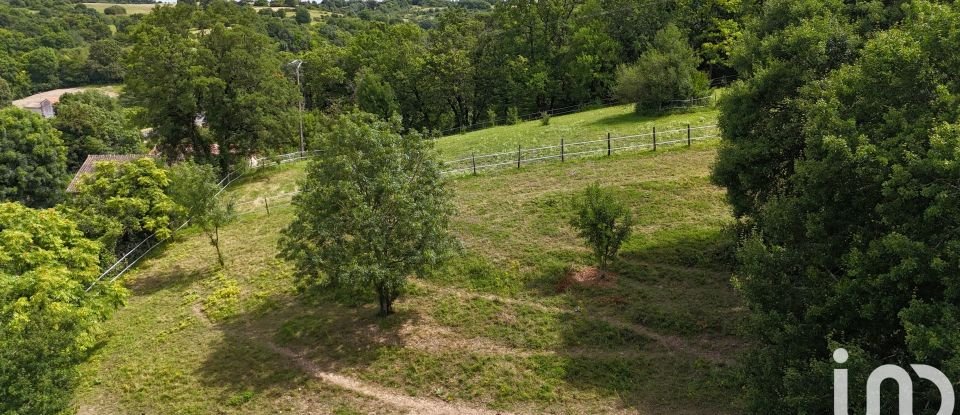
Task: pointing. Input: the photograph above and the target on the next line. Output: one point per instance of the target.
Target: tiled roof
(90, 164)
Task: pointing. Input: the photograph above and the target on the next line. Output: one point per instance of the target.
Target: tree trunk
(386, 301)
(215, 241)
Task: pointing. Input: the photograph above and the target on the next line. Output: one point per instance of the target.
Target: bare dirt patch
(586, 276)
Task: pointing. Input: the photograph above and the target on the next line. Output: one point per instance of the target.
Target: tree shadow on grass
(270, 351)
(675, 301)
(621, 119)
(177, 278)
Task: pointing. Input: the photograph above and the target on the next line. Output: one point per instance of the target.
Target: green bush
(492, 117)
(115, 10)
(544, 118)
(603, 221)
(664, 73)
(513, 116)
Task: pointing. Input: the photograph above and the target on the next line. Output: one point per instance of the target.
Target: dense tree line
(840, 155)
(525, 56)
(53, 43)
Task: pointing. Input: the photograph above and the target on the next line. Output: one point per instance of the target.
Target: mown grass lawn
(490, 329)
(619, 120)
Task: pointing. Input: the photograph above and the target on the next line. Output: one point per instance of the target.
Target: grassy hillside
(501, 327)
(617, 120)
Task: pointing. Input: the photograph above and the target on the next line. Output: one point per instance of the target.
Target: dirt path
(415, 405)
(421, 406)
(701, 348)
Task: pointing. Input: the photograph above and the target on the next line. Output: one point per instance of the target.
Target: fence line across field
(138, 252)
(609, 145)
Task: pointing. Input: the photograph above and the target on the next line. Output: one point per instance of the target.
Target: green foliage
(854, 244)
(787, 45)
(93, 123)
(231, 76)
(603, 221)
(302, 15)
(492, 117)
(116, 9)
(375, 96)
(666, 72)
(373, 210)
(161, 78)
(33, 161)
(544, 118)
(48, 323)
(122, 203)
(246, 101)
(105, 62)
(513, 116)
(194, 187)
(43, 66)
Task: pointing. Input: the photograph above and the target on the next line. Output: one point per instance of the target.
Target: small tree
(302, 15)
(603, 221)
(194, 187)
(544, 118)
(373, 210)
(492, 117)
(513, 116)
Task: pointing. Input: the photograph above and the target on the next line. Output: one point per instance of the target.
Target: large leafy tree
(49, 323)
(856, 246)
(122, 203)
(94, 123)
(33, 162)
(373, 210)
(162, 74)
(245, 97)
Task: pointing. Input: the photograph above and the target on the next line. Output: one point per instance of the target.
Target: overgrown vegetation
(49, 322)
(839, 150)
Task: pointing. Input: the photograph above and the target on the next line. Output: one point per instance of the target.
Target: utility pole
(297, 64)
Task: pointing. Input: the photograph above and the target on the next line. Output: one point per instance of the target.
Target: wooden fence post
(688, 135)
(609, 149)
(473, 157)
(561, 151)
(518, 156)
(266, 204)
(654, 138)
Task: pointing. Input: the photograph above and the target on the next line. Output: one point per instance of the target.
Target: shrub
(115, 10)
(603, 221)
(492, 117)
(544, 118)
(513, 116)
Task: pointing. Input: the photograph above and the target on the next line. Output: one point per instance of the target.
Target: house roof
(90, 164)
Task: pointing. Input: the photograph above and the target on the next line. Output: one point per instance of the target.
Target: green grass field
(491, 330)
(617, 120)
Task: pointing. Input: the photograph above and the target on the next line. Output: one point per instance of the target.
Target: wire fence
(144, 247)
(468, 165)
(607, 146)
